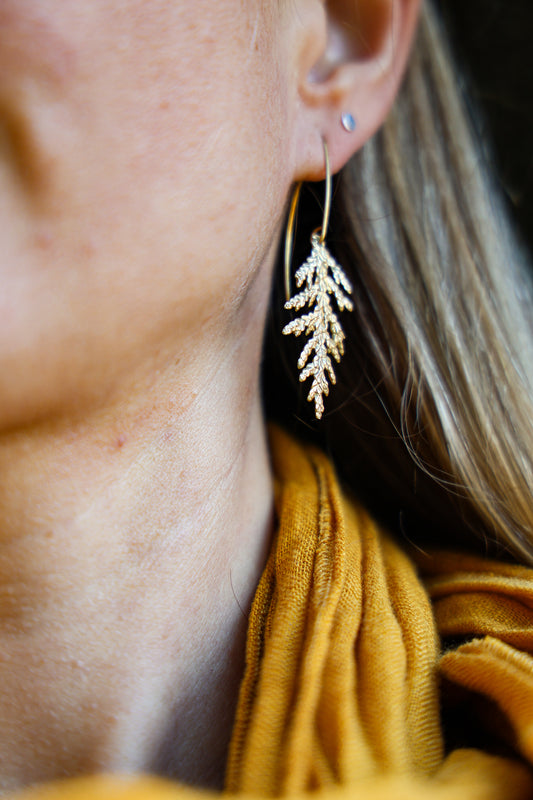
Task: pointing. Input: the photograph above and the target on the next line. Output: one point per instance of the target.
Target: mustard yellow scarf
(345, 676)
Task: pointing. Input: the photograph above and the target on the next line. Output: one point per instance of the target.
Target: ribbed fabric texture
(342, 648)
(344, 675)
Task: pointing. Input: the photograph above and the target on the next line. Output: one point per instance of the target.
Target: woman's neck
(131, 545)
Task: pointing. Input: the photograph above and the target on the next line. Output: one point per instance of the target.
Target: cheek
(154, 177)
(155, 89)
(202, 147)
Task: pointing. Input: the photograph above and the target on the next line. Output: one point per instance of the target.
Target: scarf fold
(345, 676)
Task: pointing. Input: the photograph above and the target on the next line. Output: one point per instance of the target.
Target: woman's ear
(351, 56)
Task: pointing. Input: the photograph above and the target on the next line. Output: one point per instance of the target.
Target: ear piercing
(348, 122)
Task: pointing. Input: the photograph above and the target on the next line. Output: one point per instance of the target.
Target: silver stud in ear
(348, 122)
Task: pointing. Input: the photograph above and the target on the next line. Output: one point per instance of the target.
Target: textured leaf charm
(323, 279)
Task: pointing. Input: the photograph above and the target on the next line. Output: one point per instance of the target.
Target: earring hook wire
(289, 235)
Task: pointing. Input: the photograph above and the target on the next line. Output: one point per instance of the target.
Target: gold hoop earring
(323, 279)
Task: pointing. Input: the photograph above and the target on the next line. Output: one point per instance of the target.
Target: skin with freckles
(111, 196)
(147, 150)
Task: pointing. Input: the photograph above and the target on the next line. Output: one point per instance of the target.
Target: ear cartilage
(348, 122)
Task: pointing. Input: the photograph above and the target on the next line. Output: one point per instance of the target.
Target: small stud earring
(320, 281)
(348, 122)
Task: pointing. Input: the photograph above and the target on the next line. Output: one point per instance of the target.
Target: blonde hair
(441, 346)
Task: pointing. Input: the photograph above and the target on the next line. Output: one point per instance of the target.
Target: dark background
(493, 40)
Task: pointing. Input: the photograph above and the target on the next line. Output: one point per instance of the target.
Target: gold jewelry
(327, 337)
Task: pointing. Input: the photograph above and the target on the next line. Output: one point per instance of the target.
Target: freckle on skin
(43, 240)
(88, 248)
(164, 105)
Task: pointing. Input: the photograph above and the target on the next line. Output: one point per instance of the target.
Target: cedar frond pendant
(323, 279)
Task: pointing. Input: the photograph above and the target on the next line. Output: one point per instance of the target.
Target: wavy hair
(433, 422)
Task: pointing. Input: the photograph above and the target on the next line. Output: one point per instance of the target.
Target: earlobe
(357, 76)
